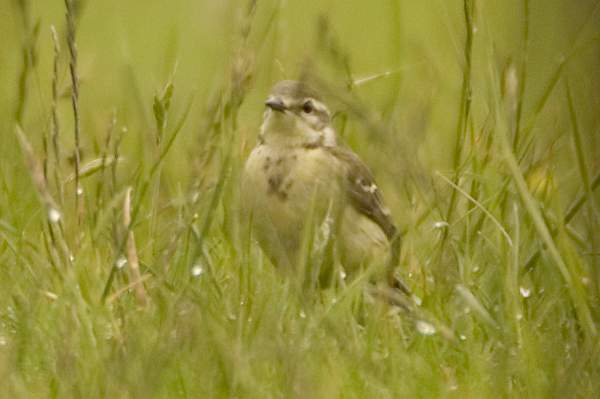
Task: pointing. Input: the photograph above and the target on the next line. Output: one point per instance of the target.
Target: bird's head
(294, 113)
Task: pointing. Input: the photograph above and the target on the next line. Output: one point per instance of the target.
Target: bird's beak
(276, 105)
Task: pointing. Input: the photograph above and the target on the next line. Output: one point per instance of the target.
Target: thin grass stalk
(592, 208)
(218, 188)
(55, 116)
(465, 106)
(28, 50)
(569, 215)
(100, 186)
(512, 292)
(574, 285)
(161, 105)
(18, 253)
(53, 213)
(75, 101)
(523, 76)
(476, 203)
(132, 257)
(576, 50)
(56, 119)
(140, 197)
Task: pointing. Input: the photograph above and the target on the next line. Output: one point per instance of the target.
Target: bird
(305, 192)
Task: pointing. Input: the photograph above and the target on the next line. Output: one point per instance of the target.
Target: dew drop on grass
(440, 225)
(343, 275)
(386, 353)
(121, 262)
(585, 281)
(525, 292)
(302, 314)
(197, 270)
(425, 328)
(53, 215)
(79, 190)
(2, 341)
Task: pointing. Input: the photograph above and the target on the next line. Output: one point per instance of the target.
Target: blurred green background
(127, 51)
(410, 97)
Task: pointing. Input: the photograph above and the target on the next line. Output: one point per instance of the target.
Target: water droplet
(519, 316)
(53, 215)
(302, 314)
(585, 281)
(462, 337)
(2, 341)
(121, 262)
(525, 292)
(71, 257)
(440, 225)
(197, 270)
(425, 328)
(249, 319)
(79, 190)
(343, 274)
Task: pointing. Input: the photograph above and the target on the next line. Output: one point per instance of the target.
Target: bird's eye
(308, 107)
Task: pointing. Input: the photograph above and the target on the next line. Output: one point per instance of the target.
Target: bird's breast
(281, 187)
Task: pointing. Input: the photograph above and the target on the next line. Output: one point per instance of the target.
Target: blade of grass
(464, 193)
(218, 188)
(575, 287)
(465, 105)
(75, 102)
(593, 209)
(140, 196)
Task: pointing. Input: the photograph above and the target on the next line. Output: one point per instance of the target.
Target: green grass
(480, 122)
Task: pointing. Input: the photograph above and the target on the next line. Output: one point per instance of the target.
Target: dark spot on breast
(275, 182)
(267, 164)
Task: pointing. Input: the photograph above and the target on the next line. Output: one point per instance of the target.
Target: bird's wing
(363, 192)
(366, 196)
